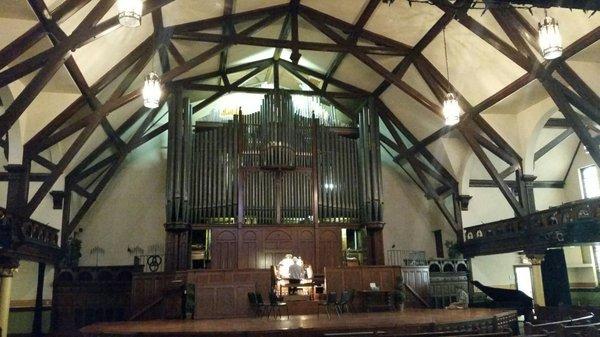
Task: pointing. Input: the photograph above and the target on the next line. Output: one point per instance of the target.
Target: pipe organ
(271, 182)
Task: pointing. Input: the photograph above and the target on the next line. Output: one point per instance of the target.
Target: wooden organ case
(270, 183)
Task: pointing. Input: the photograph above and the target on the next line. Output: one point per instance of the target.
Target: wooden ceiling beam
(48, 138)
(352, 39)
(56, 36)
(468, 134)
(378, 68)
(344, 26)
(295, 55)
(406, 62)
(294, 70)
(552, 144)
(573, 118)
(216, 22)
(55, 60)
(287, 44)
(16, 48)
(228, 29)
(340, 84)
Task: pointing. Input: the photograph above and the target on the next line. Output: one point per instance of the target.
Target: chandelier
(152, 91)
(549, 38)
(451, 109)
(130, 12)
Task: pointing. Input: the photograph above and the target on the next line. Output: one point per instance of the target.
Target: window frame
(582, 182)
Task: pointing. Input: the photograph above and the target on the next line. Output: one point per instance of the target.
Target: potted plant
(453, 250)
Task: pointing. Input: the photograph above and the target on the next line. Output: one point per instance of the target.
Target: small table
(375, 299)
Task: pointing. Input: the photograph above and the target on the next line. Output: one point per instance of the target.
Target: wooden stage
(408, 321)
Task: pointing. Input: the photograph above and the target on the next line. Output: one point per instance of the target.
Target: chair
(275, 306)
(330, 302)
(342, 304)
(255, 305)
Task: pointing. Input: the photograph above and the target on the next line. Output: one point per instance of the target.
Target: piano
(506, 298)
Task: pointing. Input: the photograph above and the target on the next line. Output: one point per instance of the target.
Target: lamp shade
(549, 38)
(130, 12)
(451, 110)
(152, 91)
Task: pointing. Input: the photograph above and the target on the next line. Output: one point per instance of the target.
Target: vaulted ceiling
(71, 77)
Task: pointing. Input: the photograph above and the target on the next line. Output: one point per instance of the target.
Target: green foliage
(72, 253)
(453, 249)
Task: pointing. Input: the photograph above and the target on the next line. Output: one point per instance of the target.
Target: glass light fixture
(152, 91)
(549, 38)
(130, 12)
(451, 110)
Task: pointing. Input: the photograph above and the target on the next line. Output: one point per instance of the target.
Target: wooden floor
(410, 320)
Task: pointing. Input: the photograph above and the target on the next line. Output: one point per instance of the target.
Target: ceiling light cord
(446, 56)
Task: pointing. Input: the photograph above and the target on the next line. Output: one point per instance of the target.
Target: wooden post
(18, 188)
(36, 328)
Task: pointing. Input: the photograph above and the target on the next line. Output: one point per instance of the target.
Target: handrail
(412, 291)
(551, 217)
(28, 230)
(590, 316)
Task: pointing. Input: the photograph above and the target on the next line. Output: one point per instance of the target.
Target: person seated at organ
(296, 274)
(283, 269)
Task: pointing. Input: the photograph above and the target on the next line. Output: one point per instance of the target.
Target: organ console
(284, 179)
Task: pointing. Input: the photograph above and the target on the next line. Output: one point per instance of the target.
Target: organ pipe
(275, 166)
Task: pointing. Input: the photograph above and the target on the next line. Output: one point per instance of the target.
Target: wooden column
(527, 192)
(177, 250)
(36, 328)
(18, 188)
(375, 251)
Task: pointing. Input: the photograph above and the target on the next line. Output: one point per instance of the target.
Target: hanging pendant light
(130, 12)
(451, 109)
(549, 37)
(152, 91)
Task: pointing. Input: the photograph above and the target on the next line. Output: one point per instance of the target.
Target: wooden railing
(574, 222)
(29, 239)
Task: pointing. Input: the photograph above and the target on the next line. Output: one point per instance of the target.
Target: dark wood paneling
(339, 279)
(224, 249)
(224, 293)
(262, 247)
(329, 253)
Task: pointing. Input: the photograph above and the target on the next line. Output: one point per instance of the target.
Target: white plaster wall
(131, 210)
(495, 270)
(24, 284)
(572, 186)
(410, 218)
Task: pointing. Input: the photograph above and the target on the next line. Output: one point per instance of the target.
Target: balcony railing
(569, 223)
(28, 238)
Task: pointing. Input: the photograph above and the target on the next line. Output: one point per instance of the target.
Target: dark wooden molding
(512, 183)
